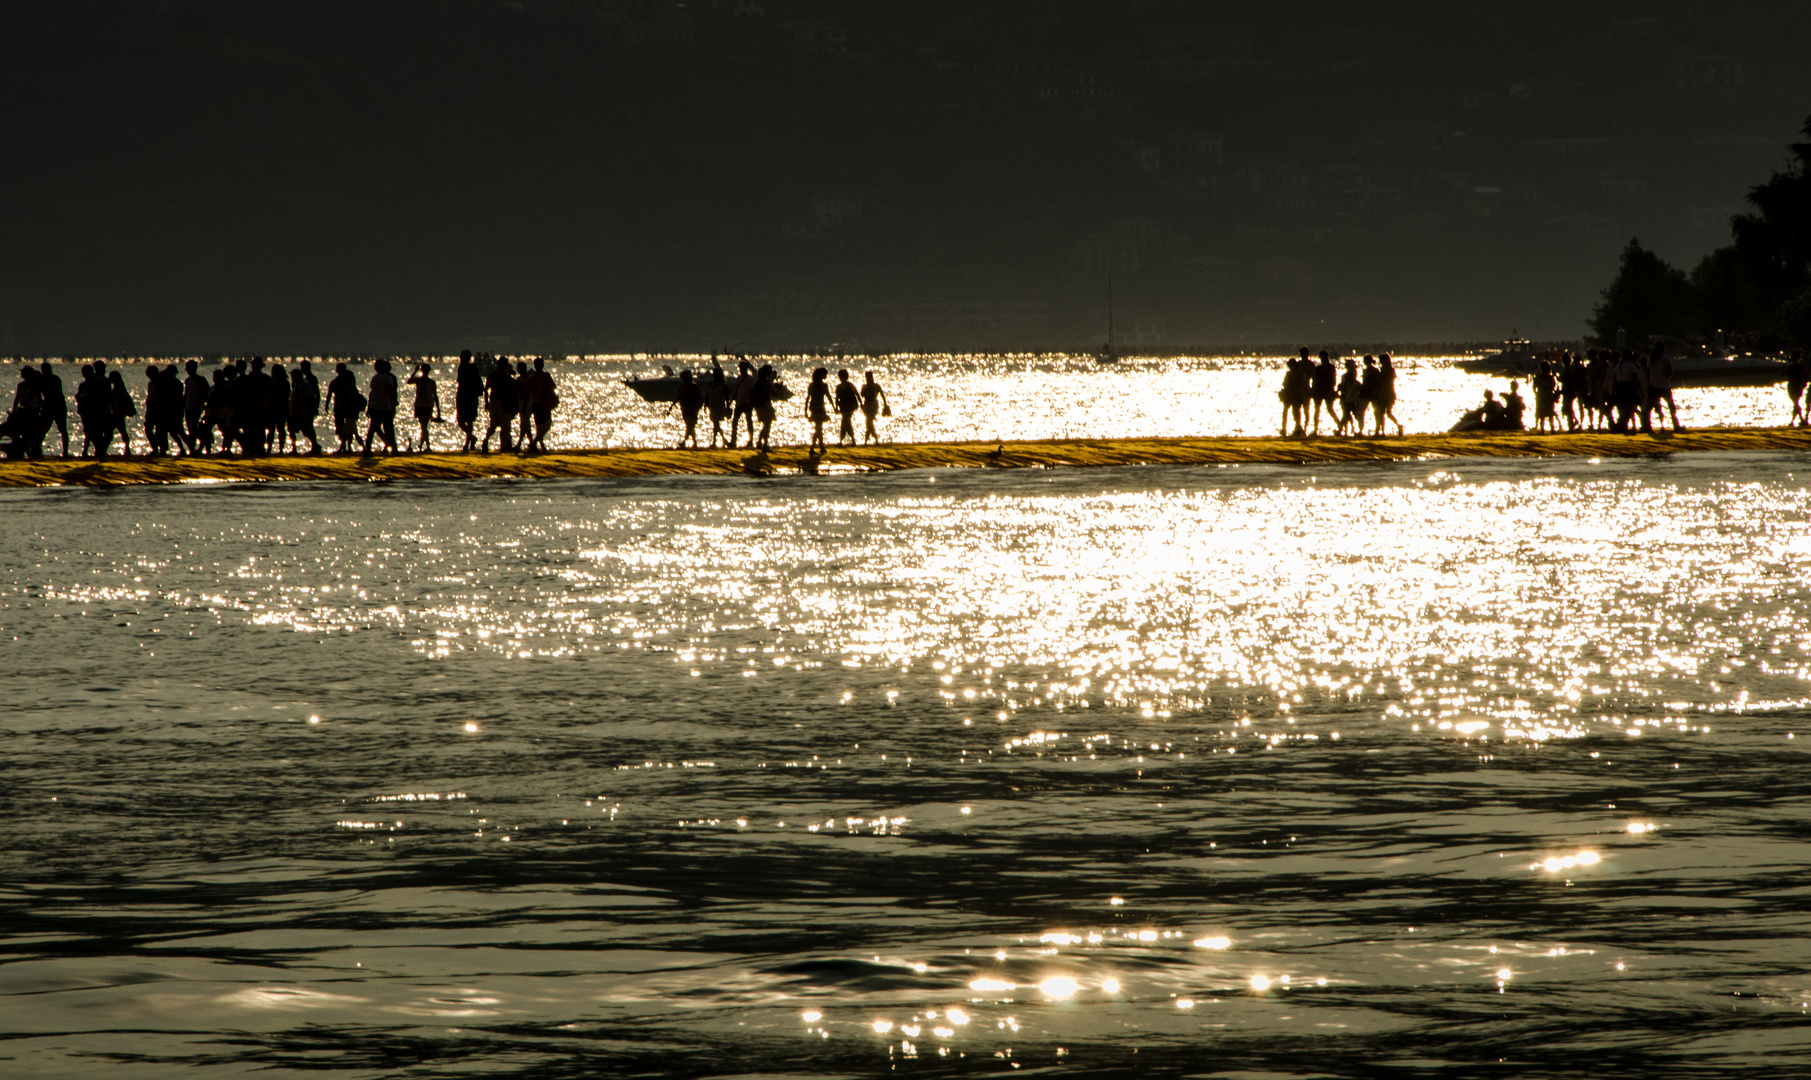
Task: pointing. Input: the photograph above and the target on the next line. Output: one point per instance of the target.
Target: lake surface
(1462, 768)
(944, 398)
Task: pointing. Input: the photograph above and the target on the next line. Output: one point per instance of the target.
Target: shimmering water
(1465, 768)
(940, 398)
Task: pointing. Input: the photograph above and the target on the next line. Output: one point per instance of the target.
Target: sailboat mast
(1109, 311)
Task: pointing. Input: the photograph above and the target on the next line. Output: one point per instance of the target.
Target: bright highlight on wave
(1553, 864)
(1260, 983)
(1058, 986)
(1213, 943)
(990, 985)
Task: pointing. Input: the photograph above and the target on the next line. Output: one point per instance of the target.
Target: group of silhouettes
(1612, 390)
(250, 408)
(1311, 388)
(750, 398)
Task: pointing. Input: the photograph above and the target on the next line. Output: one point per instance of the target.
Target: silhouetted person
(717, 400)
(56, 406)
(427, 402)
(1571, 389)
(347, 405)
(760, 403)
(1798, 374)
(691, 399)
(1629, 390)
(382, 399)
(123, 410)
(1383, 402)
(817, 406)
(194, 399)
(304, 406)
(1660, 384)
(25, 424)
(1297, 376)
(543, 397)
(468, 394)
(1546, 389)
(740, 398)
(1322, 385)
(1514, 409)
(499, 406)
(1600, 388)
(251, 408)
(873, 403)
(276, 410)
(848, 403)
(1351, 401)
(94, 408)
(525, 408)
(217, 413)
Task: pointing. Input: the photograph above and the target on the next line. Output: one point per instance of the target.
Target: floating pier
(1050, 453)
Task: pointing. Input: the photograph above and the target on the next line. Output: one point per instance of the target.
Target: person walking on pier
(1323, 389)
(1797, 375)
(1628, 390)
(348, 404)
(94, 408)
(194, 399)
(817, 407)
(848, 402)
(123, 409)
(543, 398)
(739, 401)
(1546, 386)
(427, 406)
(304, 406)
(873, 404)
(691, 399)
(717, 400)
(1294, 394)
(380, 407)
(760, 406)
(1383, 402)
(1660, 387)
(56, 406)
(500, 403)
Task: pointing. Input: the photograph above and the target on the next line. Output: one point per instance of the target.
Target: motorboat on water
(664, 389)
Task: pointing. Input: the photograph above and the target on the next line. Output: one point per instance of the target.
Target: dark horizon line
(1404, 348)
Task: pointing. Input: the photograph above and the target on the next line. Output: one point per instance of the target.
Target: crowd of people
(250, 408)
(1345, 398)
(751, 395)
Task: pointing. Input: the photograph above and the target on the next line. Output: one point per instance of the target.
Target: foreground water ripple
(1470, 768)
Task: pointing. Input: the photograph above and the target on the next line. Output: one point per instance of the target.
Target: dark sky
(569, 175)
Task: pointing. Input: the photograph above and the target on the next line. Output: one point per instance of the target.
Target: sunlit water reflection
(943, 398)
(1295, 771)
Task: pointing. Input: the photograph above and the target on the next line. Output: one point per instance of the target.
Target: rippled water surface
(942, 398)
(1471, 768)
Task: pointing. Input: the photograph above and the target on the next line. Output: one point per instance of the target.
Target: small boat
(1728, 371)
(1108, 354)
(1516, 359)
(664, 389)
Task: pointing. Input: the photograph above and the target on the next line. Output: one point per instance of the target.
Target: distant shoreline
(1053, 453)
